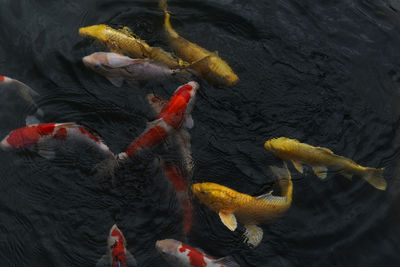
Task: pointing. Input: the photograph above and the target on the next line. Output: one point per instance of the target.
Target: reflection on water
(323, 72)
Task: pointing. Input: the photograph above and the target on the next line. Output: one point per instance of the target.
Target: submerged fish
(124, 41)
(44, 138)
(172, 116)
(208, 64)
(233, 206)
(117, 255)
(179, 254)
(118, 68)
(10, 87)
(320, 159)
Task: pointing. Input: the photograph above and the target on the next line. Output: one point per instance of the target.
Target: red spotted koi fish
(117, 255)
(172, 116)
(118, 68)
(43, 138)
(179, 178)
(11, 90)
(178, 254)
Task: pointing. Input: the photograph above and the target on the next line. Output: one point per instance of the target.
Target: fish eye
(163, 251)
(97, 65)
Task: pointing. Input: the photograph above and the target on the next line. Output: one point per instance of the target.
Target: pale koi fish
(44, 138)
(233, 206)
(117, 255)
(207, 64)
(320, 159)
(118, 68)
(172, 116)
(179, 254)
(10, 87)
(124, 41)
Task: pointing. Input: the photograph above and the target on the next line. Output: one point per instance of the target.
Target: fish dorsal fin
(126, 30)
(320, 171)
(116, 81)
(228, 219)
(31, 119)
(324, 149)
(253, 235)
(199, 62)
(298, 166)
(68, 125)
(227, 261)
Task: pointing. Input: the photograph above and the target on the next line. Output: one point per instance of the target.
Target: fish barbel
(320, 159)
(124, 41)
(208, 64)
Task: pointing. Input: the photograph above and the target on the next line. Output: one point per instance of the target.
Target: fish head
(95, 61)
(280, 145)
(97, 32)
(116, 243)
(219, 74)
(216, 197)
(168, 248)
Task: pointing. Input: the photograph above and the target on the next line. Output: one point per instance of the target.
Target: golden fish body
(251, 211)
(123, 41)
(320, 159)
(208, 64)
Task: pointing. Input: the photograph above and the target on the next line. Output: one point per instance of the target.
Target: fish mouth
(4, 145)
(86, 61)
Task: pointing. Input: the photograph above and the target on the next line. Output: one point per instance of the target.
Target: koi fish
(43, 138)
(320, 159)
(10, 87)
(179, 254)
(172, 116)
(117, 68)
(208, 64)
(117, 255)
(233, 206)
(124, 41)
(179, 178)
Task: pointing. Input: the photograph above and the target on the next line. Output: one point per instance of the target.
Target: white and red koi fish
(172, 116)
(11, 89)
(179, 178)
(44, 138)
(118, 68)
(178, 254)
(117, 255)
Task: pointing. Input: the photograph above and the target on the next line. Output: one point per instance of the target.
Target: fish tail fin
(187, 214)
(167, 25)
(284, 179)
(375, 178)
(106, 169)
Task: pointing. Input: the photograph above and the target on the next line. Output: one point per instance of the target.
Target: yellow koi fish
(233, 206)
(124, 41)
(208, 64)
(320, 159)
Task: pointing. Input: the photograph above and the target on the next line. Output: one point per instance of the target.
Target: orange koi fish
(251, 211)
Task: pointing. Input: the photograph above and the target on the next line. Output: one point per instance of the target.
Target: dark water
(324, 72)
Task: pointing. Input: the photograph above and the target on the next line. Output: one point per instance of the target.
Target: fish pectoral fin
(298, 166)
(31, 119)
(320, 171)
(116, 81)
(266, 196)
(228, 219)
(281, 173)
(347, 175)
(47, 154)
(130, 260)
(103, 262)
(189, 123)
(253, 235)
(227, 261)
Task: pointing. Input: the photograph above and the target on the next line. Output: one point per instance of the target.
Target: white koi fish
(179, 254)
(118, 68)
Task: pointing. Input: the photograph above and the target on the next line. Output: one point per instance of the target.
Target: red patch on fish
(152, 137)
(29, 135)
(175, 177)
(118, 250)
(89, 134)
(1, 78)
(196, 258)
(61, 134)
